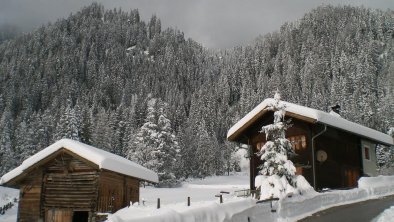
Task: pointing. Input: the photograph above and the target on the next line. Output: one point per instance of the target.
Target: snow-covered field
(196, 189)
(204, 205)
(7, 195)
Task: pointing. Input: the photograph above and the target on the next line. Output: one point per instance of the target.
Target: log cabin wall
(116, 191)
(132, 190)
(30, 197)
(70, 184)
(343, 166)
(111, 194)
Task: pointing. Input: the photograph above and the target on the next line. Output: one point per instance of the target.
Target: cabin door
(58, 215)
(351, 175)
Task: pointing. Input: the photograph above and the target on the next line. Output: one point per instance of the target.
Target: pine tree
(169, 150)
(276, 150)
(155, 146)
(6, 149)
(69, 125)
(278, 173)
(384, 156)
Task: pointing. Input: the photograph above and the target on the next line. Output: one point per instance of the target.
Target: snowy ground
(7, 195)
(206, 207)
(245, 209)
(196, 189)
(385, 216)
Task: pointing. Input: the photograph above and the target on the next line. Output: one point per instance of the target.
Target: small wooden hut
(332, 152)
(71, 181)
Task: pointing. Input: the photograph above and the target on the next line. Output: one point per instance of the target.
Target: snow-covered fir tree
(6, 150)
(155, 145)
(168, 149)
(69, 125)
(385, 156)
(276, 150)
(277, 177)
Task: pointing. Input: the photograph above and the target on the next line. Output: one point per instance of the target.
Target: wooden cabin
(71, 181)
(332, 152)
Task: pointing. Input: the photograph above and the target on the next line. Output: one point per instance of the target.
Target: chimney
(336, 108)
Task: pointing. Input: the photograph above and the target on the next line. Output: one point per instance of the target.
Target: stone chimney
(336, 108)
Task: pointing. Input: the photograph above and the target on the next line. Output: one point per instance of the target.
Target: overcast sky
(214, 23)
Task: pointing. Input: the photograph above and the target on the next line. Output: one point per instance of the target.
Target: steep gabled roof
(310, 115)
(103, 159)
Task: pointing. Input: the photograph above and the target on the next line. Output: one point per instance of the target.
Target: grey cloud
(214, 23)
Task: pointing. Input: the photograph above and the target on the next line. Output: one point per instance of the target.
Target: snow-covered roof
(103, 159)
(313, 114)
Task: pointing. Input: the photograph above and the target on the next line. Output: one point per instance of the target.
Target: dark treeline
(106, 78)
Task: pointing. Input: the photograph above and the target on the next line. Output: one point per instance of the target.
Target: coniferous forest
(109, 79)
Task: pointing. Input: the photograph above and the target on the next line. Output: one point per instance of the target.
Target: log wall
(30, 196)
(69, 183)
(116, 191)
(65, 183)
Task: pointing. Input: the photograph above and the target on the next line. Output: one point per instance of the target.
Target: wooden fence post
(158, 203)
(220, 197)
(188, 201)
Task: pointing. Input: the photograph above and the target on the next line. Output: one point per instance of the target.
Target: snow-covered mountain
(91, 76)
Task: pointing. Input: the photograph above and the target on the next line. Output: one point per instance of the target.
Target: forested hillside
(106, 78)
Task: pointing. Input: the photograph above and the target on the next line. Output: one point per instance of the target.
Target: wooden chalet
(71, 181)
(331, 152)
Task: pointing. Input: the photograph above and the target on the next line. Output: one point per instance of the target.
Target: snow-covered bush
(278, 177)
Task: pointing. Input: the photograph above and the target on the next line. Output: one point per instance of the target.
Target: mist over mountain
(107, 78)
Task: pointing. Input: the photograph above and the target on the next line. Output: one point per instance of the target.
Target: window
(299, 142)
(366, 153)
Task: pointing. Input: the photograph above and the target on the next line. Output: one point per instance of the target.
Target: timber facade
(66, 187)
(331, 152)
(341, 169)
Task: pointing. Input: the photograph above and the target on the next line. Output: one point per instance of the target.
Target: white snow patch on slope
(103, 159)
(319, 116)
(131, 48)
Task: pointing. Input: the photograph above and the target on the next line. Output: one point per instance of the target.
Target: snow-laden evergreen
(69, 125)
(277, 178)
(385, 156)
(155, 145)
